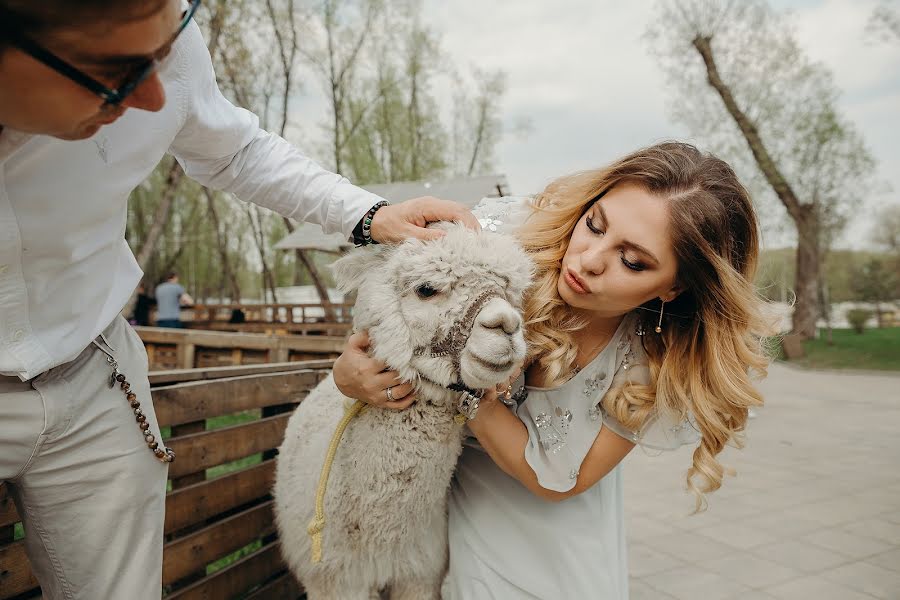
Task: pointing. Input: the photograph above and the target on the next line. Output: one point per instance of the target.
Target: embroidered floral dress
(508, 544)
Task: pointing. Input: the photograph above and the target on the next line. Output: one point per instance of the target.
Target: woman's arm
(504, 437)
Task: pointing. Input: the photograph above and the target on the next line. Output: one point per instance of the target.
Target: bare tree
(884, 22)
(746, 89)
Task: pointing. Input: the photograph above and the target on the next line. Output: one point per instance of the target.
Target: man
(170, 297)
(92, 94)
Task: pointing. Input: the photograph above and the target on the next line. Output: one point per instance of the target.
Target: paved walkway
(813, 514)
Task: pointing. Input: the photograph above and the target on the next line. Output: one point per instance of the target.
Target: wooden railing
(224, 424)
(190, 349)
(303, 319)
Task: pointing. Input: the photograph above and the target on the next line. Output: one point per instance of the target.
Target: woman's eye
(425, 291)
(634, 266)
(592, 227)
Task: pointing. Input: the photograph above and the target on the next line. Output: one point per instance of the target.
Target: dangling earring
(661, 308)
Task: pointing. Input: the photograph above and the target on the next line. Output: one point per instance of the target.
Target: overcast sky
(580, 73)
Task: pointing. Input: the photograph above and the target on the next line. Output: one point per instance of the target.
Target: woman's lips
(575, 283)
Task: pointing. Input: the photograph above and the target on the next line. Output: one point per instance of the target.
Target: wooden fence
(223, 424)
(278, 319)
(189, 348)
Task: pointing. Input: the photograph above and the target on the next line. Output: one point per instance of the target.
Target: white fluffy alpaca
(439, 312)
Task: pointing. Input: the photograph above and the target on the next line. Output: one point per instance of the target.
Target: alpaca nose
(498, 314)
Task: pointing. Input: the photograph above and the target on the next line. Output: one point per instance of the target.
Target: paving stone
(815, 588)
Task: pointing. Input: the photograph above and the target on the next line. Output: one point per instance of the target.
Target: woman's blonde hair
(713, 333)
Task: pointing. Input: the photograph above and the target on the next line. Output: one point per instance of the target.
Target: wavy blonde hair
(713, 333)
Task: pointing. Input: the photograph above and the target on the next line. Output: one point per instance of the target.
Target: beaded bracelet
(362, 233)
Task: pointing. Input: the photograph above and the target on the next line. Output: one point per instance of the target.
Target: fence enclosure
(223, 424)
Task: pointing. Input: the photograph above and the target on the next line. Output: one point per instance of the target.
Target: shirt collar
(10, 141)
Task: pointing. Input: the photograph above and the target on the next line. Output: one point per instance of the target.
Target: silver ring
(390, 394)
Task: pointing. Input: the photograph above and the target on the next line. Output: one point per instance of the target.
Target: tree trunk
(808, 269)
(808, 253)
(303, 259)
(228, 274)
(160, 220)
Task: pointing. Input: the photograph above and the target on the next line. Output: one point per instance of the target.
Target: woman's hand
(359, 376)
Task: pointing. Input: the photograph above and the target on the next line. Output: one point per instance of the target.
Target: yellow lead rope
(317, 525)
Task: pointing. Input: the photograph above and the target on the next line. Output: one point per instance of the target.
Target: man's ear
(351, 270)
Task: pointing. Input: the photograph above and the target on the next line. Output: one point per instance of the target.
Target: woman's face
(620, 254)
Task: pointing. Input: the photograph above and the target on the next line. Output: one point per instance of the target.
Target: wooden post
(186, 355)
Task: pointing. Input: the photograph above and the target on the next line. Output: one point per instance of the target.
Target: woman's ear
(673, 293)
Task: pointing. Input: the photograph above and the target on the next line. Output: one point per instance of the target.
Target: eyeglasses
(130, 81)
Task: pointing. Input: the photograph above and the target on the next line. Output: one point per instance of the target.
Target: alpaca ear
(350, 270)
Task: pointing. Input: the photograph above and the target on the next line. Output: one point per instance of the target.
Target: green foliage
(873, 281)
(775, 275)
(857, 318)
(878, 349)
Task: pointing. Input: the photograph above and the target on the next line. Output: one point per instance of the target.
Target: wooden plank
(201, 501)
(182, 431)
(15, 571)
(284, 587)
(199, 451)
(158, 378)
(188, 554)
(216, 339)
(8, 514)
(185, 402)
(334, 328)
(235, 579)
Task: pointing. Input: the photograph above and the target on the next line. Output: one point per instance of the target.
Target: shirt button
(18, 335)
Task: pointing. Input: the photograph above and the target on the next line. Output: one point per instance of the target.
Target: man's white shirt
(66, 270)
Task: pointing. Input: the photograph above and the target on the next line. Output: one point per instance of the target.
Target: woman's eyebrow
(626, 243)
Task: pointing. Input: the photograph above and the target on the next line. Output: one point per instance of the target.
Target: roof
(465, 190)
(309, 236)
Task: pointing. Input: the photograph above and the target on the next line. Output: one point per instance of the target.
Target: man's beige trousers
(89, 491)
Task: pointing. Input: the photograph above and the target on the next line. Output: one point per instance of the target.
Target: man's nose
(149, 95)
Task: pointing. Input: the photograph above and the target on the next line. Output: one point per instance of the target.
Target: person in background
(142, 306)
(170, 297)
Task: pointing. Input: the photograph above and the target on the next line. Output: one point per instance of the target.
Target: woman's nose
(594, 260)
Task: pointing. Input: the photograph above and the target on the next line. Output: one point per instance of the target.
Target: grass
(875, 349)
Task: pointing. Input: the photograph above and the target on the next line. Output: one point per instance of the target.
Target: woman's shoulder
(502, 214)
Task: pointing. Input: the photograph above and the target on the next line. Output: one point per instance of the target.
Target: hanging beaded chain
(163, 454)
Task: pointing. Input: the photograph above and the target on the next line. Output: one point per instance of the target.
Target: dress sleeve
(662, 430)
(564, 422)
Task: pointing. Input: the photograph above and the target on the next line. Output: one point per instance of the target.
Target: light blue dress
(508, 544)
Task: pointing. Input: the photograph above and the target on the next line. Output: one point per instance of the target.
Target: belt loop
(106, 340)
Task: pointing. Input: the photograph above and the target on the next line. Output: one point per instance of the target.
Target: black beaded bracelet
(362, 233)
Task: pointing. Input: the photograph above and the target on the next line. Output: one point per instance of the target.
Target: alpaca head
(442, 312)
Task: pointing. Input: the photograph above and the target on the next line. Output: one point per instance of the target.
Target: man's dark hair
(172, 275)
(31, 17)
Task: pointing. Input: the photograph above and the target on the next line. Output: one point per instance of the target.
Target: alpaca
(441, 312)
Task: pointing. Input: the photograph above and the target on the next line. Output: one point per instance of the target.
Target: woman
(643, 328)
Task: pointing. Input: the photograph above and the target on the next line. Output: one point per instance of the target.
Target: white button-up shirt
(65, 268)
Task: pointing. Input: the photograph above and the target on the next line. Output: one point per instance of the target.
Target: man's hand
(359, 376)
(398, 222)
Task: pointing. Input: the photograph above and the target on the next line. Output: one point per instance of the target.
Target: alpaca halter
(456, 339)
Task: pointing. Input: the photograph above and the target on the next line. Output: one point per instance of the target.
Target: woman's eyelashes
(633, 265)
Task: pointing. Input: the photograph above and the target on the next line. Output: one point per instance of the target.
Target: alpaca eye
(425, 291)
